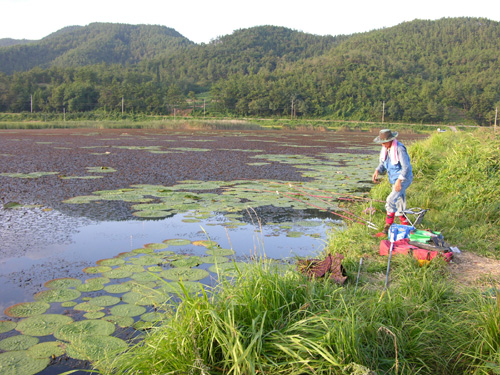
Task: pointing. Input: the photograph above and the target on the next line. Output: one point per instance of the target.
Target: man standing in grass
(394, 160)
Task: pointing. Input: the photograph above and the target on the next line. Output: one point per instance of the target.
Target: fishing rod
(353, 197)
(364, 222)
(369, 223)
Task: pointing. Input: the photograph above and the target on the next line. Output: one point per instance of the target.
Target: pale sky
(201, 21)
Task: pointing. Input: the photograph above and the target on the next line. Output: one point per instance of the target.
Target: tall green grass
(271, 320)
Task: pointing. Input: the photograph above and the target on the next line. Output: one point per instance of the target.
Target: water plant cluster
(119, 297)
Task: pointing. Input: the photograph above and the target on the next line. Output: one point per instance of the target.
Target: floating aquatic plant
(100, 169)
(20, 362)
(18, 342)
(94, 315)
(27, 309)
(110, 262)
(49, 349)
(104, 301)
(57, 295)
(87, 307)
(222, 252)
(127, 309)
(120, 321)
(177, 242)
(63, 283)
(94, 348)
(28, 175)
(187, 262)
(6, 326)
(42, 325)
(76, 330)
(117, 288)
(184, 274)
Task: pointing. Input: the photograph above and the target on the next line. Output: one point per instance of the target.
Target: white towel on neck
(393, 150)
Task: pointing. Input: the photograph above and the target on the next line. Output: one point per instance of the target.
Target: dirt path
(473, 270)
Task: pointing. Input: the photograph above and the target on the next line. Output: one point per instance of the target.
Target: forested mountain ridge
(421, 71)
(246, 51)
(7, 42)
(95, 43)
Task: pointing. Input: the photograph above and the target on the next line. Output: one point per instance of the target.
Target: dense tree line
(420, 71)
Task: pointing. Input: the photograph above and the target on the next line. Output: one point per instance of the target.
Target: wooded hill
(93, 44)
(421, 71)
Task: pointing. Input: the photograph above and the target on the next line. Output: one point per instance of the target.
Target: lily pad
(177, 242)
(110, 262)
(57, 295)
(42, 325)
(187, 262)
(100, 169)
(47, 349)
(127, 310)
(184, 274)
(120, 321)
(223, 252)
(68, 304)
(147, 260)
(179, 287)
(94, 315)
(117, 288)
(19, 362)
(104, 301)
(144, 277)
(119, 273)
(155, 269)
(87, 307)
(6, 326)
(63, 283)
(91, 285)
(26, 309)
(18, 342)
(76, 330)
(156, 246)
(145, 298)
(215, 259)
(94, 348)
(153, 316)
(206, 243)
(151, 214)
(97, 269)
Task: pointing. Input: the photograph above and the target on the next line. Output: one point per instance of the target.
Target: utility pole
(122, 104)
(383, 110)
(64, 113)
(203, 107)
(31, 103)
(496, 117)
(292, 110)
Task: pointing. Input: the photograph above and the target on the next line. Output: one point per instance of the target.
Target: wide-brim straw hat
(385, 135)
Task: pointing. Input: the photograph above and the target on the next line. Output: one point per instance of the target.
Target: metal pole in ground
(392, 238)
(359, 271)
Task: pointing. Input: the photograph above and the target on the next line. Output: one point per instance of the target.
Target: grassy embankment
(140, 121)
(273, 322)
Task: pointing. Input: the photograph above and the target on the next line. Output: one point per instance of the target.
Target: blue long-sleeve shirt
(402, 170)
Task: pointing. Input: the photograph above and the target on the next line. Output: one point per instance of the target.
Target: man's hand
(374, 177)
(397, 185)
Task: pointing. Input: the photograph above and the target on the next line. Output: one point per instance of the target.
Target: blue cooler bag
(398, 232)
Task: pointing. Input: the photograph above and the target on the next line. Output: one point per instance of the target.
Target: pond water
(77, 200)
